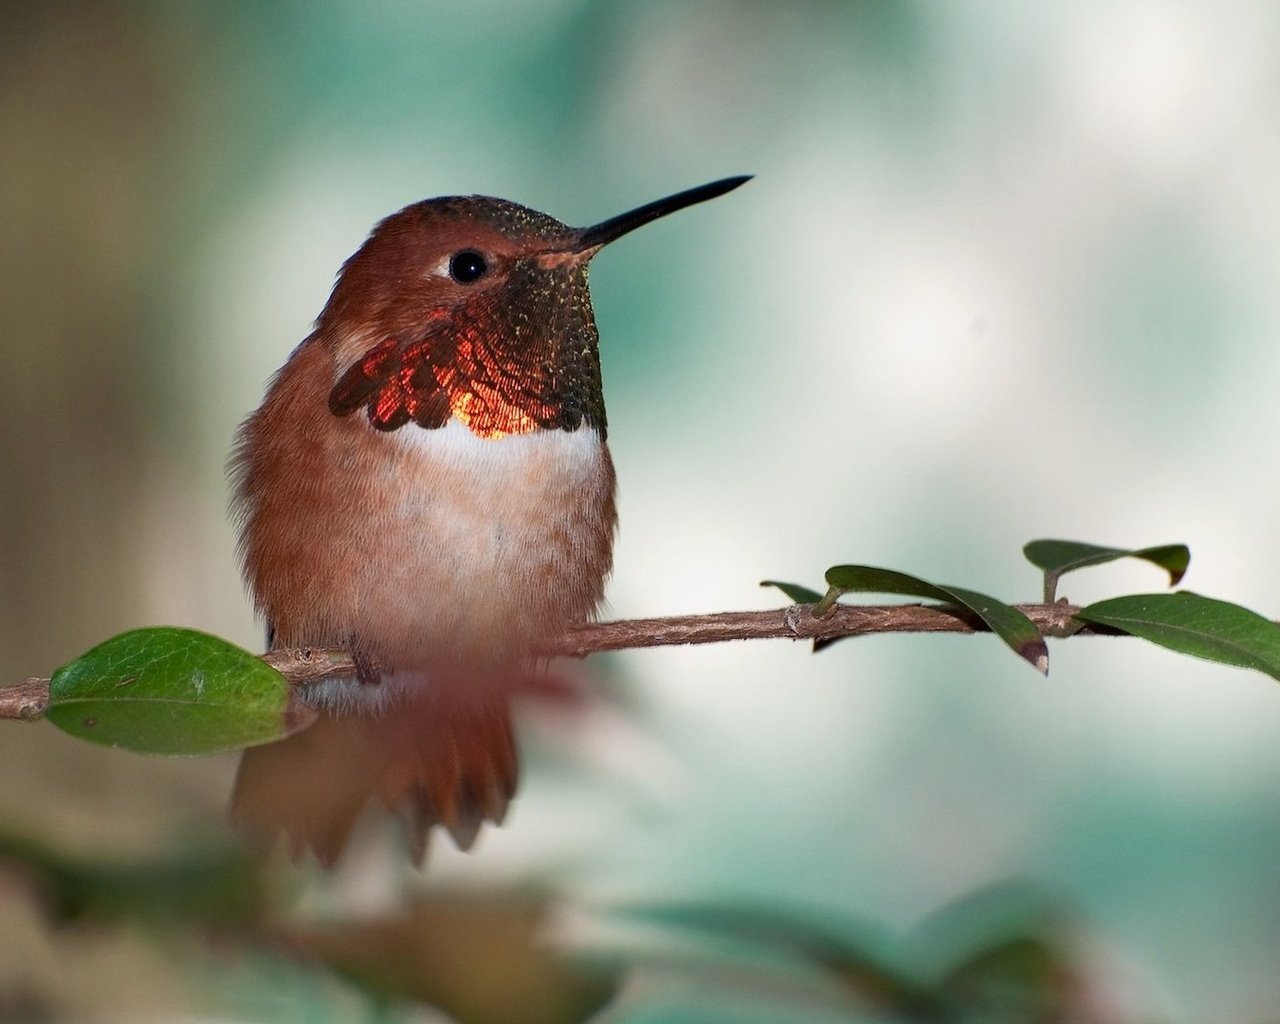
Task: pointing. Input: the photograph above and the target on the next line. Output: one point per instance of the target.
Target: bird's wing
(396, 383)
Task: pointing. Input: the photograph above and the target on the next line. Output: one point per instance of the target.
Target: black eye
(467, 266)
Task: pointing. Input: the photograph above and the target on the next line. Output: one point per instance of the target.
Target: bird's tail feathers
(431, 759)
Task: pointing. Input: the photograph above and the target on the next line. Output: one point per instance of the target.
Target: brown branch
(28, 700)
(25, 702)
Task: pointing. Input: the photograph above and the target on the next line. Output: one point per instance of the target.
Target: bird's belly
(471, 551)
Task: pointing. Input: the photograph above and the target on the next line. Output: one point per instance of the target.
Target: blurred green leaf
(1003, 952)
(1057, 557)
(1192, 624)
(174, 691)
(216, 886)
(1009, 624)
(1025, 978)
(797, 593)
(813, 936)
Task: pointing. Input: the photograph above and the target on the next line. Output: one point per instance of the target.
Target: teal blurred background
(1007, 270)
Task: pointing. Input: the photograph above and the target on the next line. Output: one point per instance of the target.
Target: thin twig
(28, 700)
(25, 702)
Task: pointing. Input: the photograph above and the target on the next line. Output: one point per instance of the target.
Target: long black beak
(590, 239)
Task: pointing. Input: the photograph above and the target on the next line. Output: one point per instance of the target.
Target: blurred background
(1006, 271)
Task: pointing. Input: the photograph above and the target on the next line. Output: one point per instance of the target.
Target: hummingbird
(427, 483)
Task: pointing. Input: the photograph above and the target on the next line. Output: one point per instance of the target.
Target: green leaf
(829, 942)
(797, 593)
(214, 885)
(1019, 978)
(174, 691)
(1009, 624)
(1191, 624)
(1057, 557)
